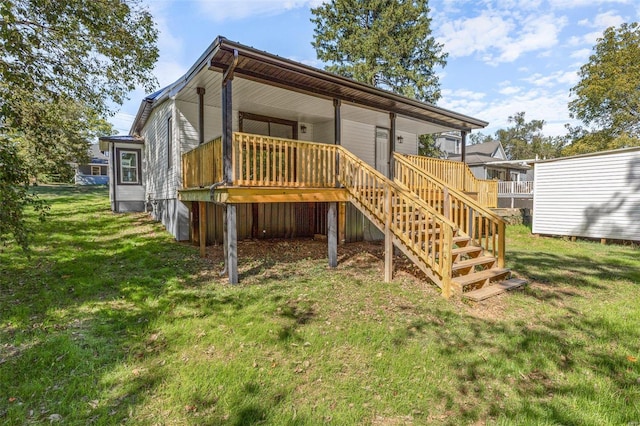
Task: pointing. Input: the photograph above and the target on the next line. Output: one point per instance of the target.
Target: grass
(111, 321)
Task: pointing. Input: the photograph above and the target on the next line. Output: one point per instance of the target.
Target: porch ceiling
(259, 98)
(274, 70)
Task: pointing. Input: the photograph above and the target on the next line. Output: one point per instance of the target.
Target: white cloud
(572, 4)
(500, 37)
(220, 10)
(581, 54)
(538, 103)
(565, 78)
(509, 90)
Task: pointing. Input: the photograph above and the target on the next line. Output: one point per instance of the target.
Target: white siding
(359, 138)
(324, 132)
(160, 179)
(589, 196)
(409, 143)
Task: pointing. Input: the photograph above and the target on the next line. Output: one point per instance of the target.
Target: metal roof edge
(593, 154)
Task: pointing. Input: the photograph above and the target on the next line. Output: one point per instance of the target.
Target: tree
(64, 66)
(384, 43)
(607, 99)
(525, 140)
(427, 146)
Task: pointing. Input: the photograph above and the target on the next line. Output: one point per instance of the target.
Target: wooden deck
(440, 228)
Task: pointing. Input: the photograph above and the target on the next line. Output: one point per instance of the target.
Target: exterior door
(382, 150)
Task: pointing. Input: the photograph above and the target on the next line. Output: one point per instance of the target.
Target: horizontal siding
(160, 180)
(324, 132)
(409, 143)
(596, 197)
(359, 139)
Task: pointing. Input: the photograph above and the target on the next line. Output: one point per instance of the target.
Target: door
(382, 150)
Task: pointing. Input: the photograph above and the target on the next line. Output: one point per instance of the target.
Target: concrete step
(494, 289)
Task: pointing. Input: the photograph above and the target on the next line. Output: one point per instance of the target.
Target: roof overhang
(104, 141)
(274, 70)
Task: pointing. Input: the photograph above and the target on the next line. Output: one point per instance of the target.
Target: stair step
(494, 289)
(479, 277)
(475, 261)
(468, 250)
(460, 240)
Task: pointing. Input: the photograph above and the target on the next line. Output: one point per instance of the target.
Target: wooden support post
(202, 216)
(388, 237)
(332, 237)
(447, 246)
(195, 224)
(603, 241)
(232, 244)
(573, 239)
(342, 223)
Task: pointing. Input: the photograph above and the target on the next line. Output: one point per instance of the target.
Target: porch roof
(274, 70)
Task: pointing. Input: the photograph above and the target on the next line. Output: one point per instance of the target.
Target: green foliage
(476, 138)
(385, 43)
(15, 196)
(607, 96)
(63, 66)
(427, 146)
(525, 140)
(118, 323)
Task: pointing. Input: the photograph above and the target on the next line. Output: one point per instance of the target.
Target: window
(129, 166)
(169, 143)
(95, 171)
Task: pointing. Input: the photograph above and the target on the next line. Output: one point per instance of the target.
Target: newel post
(388, 236)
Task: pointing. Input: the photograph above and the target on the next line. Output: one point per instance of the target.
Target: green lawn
(112, 321)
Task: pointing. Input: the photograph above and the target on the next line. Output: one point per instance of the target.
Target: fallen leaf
(55, 418)
(631, 358)
(12, 399)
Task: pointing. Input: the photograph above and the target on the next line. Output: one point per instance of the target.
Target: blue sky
(505, 56)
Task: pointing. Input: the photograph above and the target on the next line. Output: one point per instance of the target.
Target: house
(95, 172)
(251, 145)
(593, 195)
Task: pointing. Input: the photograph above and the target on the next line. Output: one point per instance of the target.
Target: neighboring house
(95, 172)
(449, 143)
(592, 195)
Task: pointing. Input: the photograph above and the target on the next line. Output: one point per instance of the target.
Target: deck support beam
(202, 228)
(388, 238)
(232, 244)
(231, 231)
(332, 231)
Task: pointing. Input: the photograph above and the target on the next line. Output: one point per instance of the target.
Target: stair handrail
(376, 192)
(461, 177)
(462, 210)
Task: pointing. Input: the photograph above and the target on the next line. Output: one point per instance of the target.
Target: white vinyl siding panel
(409, 143)
(324, 132)
(359, 139)
(591, 196)
(161, 180)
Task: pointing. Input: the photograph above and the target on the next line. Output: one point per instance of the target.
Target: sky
(504, 56)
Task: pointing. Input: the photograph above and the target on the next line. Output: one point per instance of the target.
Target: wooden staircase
(477, 272)
(456, 242)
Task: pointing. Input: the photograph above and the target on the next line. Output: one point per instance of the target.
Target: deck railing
(202, 166)
(517, 188)
(485, 228)
(459, 176)
(428, 235)
(267, 161)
